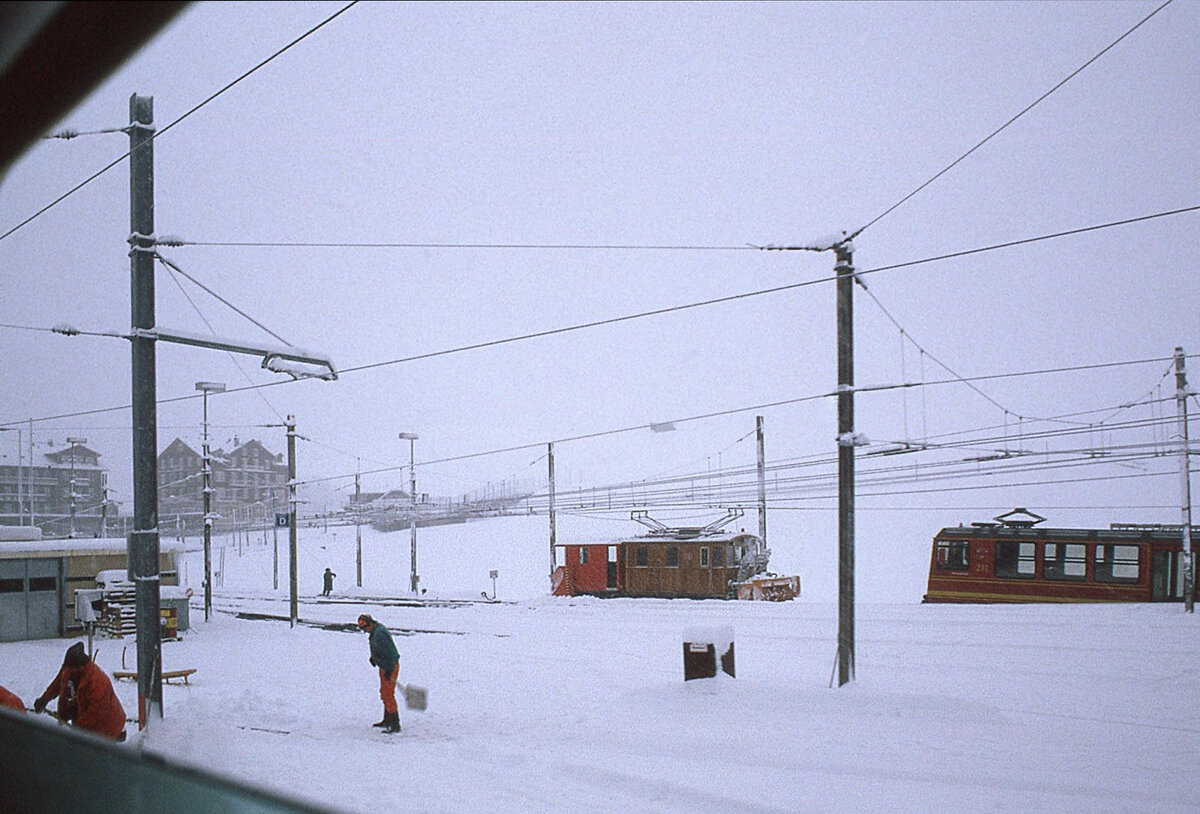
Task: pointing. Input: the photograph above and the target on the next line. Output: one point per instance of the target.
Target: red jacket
(7, 699)
(86, 697)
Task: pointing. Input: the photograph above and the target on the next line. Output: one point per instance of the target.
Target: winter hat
(365, 621)
(76, 657)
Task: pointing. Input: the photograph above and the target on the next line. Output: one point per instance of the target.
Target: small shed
(38, 579)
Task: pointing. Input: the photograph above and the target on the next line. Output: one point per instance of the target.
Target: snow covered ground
(542, 704)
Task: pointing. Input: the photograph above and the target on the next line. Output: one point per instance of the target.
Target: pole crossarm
(276, 358)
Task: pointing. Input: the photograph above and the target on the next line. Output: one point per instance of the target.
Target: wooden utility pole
(294, 603)
(142, 544)
(553, 520)
(1181, 396)
(844, 268)
(762, 482)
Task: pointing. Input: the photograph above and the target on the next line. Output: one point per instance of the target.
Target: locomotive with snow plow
(701, 562)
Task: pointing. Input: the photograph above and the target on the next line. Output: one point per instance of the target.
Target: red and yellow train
(1011, 560)
(693, 563)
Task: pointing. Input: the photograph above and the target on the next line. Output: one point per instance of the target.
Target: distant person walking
(8, 699)
(329, 575)
(384, 656)
(85, 696)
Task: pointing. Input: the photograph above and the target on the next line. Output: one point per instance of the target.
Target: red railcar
(1012, 561)
(695, 563)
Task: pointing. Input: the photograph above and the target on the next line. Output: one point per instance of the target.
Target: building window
(12, 586)
(672, 556)
(642, 556)
(582, 555)
(1064, 561)
(1116, 563)
(718, 557)
(1015, 560)
(953, 555)
(43, 583)
(703, 557)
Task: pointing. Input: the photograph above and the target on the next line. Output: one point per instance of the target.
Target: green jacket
(383, 649)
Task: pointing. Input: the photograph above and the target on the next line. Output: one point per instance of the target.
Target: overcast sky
(712, 126)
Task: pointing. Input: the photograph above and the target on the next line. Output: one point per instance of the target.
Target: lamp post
(412, 515)
(73, 441)
(206, 388)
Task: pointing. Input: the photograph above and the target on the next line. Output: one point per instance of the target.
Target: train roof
(675, 536)
(1117, 532)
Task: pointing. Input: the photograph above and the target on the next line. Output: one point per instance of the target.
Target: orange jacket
(7, 699)
(96, 706)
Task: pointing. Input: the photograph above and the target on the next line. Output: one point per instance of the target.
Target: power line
(689, 306)
(1002, 127)
(512, 246)
(154, 136)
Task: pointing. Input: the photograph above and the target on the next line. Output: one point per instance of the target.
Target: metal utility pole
(844, 267)
(275, 543)
(762, 482)
(358, 527)
(29, 481)
(73, 442)
(412, 517)
(1181, 396)
(553, 518)
(293, 569)
(142, 545)
(206, 388)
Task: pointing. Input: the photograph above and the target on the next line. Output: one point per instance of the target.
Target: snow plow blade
(769, 588)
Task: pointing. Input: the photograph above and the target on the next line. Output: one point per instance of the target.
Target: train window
(1015, 560)
(15, 585)
(703, 557)
(718, 557)
(1116, 563)
(953, 555)
(1064, 561)
(582, 555)
(642, 556)
(672, 556)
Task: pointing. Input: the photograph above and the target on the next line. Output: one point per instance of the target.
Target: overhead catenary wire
(682, 307)
(1004, 126)
(172, 269)
(192, 110)
(299, 244)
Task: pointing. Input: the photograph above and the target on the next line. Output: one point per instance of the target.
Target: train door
(612, 568)
(1166, 576)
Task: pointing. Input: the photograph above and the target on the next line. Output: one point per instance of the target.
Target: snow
(551, 704)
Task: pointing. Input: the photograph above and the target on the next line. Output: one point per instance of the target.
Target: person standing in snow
(8, 699)
(384, 656)
(329, 575)
(85, 696)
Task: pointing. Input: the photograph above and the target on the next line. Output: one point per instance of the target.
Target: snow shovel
(415, 697)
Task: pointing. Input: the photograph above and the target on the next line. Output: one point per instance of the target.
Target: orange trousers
(387, 688)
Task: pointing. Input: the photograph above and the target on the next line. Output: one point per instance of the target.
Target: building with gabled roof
(247, 478)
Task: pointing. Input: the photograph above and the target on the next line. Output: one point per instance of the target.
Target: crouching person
(85, 696)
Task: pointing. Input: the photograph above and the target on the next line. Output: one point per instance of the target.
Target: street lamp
(206, 388)
(73, 441)
(412, 515)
